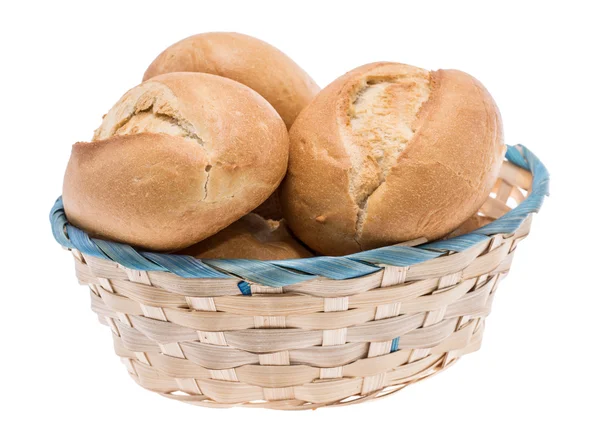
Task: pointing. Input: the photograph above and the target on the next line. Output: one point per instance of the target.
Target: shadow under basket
(305, 333)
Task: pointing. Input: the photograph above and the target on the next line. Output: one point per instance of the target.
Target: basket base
(219, 393)
(301, 405)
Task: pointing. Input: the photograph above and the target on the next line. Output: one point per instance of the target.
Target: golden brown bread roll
(473, 223)
(244, 59)
(389, 153)
(251, 237)
(177, 159)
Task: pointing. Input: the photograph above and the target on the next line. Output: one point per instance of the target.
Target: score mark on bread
(382, 117)
(151, 107)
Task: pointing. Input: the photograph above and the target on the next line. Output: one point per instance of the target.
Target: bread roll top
(244, 59)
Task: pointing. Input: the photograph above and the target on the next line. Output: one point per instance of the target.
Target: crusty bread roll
(251, 237)
(473, 223)
(177, 159)
(389, 153)
(244, 59)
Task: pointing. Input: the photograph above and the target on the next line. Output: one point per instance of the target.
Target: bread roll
(177, 159)
(252, 237)
(473, 223)
(389, 153)
(244, 59)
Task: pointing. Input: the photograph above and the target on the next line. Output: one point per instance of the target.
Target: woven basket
(306, 333)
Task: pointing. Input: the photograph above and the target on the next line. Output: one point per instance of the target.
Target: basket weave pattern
(225, 340)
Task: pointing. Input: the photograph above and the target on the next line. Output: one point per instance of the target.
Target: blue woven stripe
(244, 288)
(457, 244)
(337, 268)
(260, 272)
(514, 156)
(395, 255)
(395, 342)
(130, 257)
(83, 243)
(183, 265)
(541, 177)
(285, 272)
(58, 219)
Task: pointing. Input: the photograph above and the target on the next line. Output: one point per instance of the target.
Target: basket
(305, 333)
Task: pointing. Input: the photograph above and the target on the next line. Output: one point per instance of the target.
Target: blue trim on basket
(244, 288)
(336, 268)
(395, 255)
(457, 245)
(130, 257)
(260, 272)
(83, 243)
(280, 273)
(184, 265)
(395, 342)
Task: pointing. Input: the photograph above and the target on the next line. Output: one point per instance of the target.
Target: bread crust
(473, 223)
(244, 59)
(252, 237)
(441, 177)
(136, 184)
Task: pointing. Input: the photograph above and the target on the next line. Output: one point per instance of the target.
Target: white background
(64, 65)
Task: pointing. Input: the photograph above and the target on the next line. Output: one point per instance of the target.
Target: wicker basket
(301, 334)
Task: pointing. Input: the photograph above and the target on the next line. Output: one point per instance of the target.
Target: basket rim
(279, 273)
